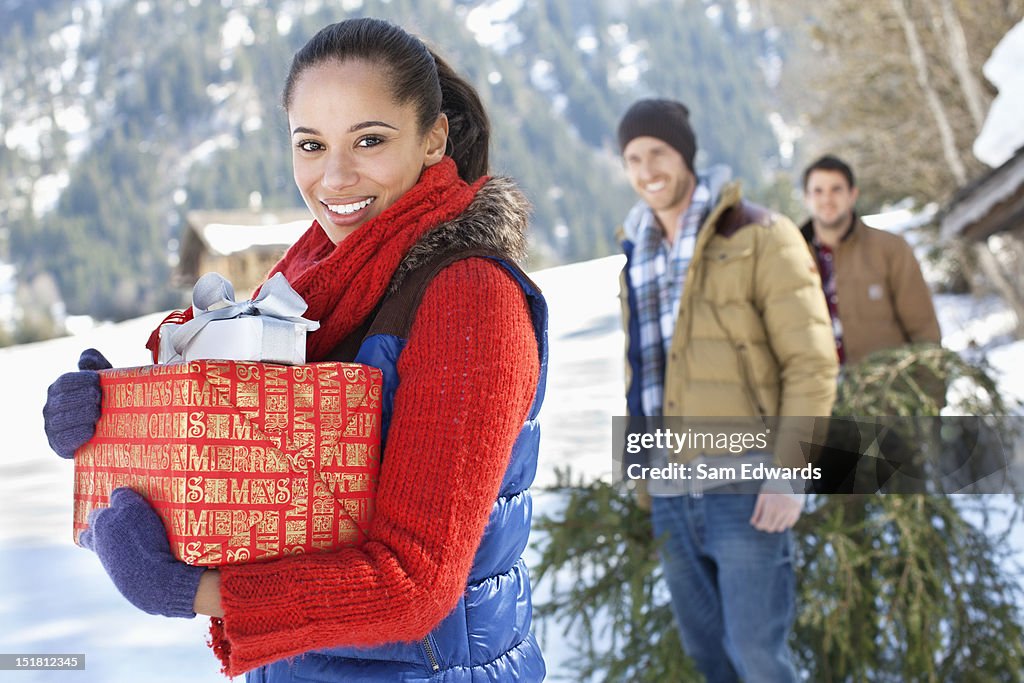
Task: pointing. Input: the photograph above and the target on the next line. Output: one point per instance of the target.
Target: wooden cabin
(242, 245)
(991, 204)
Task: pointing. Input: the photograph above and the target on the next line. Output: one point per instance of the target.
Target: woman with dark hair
(390, 155)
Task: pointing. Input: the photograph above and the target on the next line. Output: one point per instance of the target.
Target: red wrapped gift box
(243, 461)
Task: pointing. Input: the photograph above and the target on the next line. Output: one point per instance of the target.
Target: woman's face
(354, 150)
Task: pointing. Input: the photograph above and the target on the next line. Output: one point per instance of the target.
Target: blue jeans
(732, 586)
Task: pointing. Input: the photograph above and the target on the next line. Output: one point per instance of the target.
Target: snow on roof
(901, 219)
(1003, 134)
(224, 238)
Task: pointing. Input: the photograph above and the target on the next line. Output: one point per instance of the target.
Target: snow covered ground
(55, 598)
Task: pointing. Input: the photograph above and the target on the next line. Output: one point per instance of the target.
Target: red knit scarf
(343, 283)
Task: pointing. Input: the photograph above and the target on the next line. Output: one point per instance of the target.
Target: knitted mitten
(131, 542)
(73, 405)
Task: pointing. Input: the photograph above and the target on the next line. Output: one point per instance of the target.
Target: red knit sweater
(468, 377)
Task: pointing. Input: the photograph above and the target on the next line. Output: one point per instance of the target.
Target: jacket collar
(495, 221)
(807, 229)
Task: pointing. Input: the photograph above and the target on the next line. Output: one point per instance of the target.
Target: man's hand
(775, 512)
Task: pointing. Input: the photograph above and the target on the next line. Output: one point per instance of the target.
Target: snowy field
(55, 597)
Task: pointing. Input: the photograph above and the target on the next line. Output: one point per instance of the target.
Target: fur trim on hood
(496, 220)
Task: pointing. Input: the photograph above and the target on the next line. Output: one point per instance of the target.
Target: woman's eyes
(314, 146)
(369, 141)
(310, 146)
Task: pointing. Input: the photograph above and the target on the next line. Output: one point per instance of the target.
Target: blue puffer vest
(487, 637)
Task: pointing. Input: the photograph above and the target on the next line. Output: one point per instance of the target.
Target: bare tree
(893, 85)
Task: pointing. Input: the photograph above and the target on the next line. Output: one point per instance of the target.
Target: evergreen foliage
(897, 587)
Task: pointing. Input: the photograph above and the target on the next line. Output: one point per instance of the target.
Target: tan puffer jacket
(753, 336)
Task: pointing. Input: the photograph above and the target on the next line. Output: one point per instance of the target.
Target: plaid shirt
(827, 269)
(657, 273)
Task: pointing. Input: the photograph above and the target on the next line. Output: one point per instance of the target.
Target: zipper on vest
(430, 654)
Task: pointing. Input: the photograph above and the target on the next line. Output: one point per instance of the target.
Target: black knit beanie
(666, 120)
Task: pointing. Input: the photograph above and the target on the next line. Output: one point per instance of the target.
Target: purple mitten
(73, 405)
(131, 542)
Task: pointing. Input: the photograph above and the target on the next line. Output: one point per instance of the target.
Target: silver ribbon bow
(213, 298)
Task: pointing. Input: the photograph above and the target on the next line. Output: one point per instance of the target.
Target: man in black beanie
(724, 318)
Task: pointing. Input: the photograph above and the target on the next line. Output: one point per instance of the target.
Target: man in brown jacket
(877, 299)
(724, 318)
(876, 294)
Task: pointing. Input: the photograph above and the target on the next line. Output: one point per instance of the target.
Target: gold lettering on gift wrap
(166, 426)
(269, 542)
(211, 553)
(190, 457)
(164, 489)
(360, 425)
(195, 522)
(177, 521)
(327, 376)
(330, 404)
(353, 508)
(277, 376)
(297, 410)
(277, 403)
(247, 372)
(241, 428)
(330, 456)
(251, 460)
(298, 507)
(356, 454)
(221, 522)
(348, 532)
(137, 395)
(302, 395)
(295, 531)
(192, 392)
(196, 425)
(192, 551)
(247, 395)
(232, 458)
(258, 491)
(243, 522)
(302, 421)
(275, 422)
(238, 555)
(241, 539)
(355, 395)
(340, 483)
(217, 426)
(206, 490)
(353, 373)
(300, 445)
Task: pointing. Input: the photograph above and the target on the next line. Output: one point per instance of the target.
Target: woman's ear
(436, 141)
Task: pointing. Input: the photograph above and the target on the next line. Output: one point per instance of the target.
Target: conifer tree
(895, 587)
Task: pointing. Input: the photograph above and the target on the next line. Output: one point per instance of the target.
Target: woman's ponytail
(469, 130)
